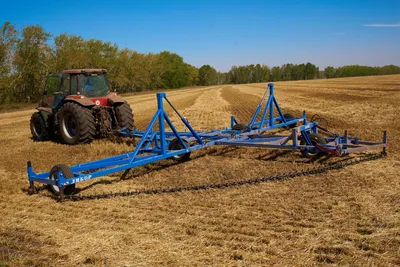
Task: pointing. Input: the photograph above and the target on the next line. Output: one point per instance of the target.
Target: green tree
(330, 72)
(207, 75)
(310, 71)
(275, 74)
(69, 52)
(174, 74)
(8, 40)
(192, 75)
(389, 69)
(30, 61)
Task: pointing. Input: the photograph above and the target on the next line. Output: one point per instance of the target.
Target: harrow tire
(67, 173)
(76, 124)
(239, 127)
(176, 145)
(289, 117)
(315, 139)
(124, 116)
(38, 127)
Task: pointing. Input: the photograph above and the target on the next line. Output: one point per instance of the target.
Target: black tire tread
(176, 145)
(316, 138)
(67, 173)
(239, 127)
(84, 119)
(124, 116)
(45, 133)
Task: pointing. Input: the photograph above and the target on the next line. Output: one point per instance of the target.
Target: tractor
(78, 106)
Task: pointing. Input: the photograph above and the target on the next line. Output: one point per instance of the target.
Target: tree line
(26, 58)
(356, 70)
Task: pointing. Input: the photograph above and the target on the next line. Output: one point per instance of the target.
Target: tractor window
(93, 85)
(53, 83)
(74, 85)
(65, 83)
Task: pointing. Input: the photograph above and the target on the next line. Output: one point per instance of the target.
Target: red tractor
(78, 106)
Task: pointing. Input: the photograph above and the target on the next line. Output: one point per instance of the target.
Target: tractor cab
(85, 82)
(90, 83)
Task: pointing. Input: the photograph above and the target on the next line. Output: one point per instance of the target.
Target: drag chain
(280, 177)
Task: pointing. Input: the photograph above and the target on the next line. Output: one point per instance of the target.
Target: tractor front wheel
(38, 127)
(76, 124)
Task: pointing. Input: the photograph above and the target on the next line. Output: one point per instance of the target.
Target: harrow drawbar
(162, 144)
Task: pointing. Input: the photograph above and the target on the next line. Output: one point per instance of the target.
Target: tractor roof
(77, 71)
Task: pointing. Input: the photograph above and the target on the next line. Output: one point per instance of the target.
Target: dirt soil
(345, 217)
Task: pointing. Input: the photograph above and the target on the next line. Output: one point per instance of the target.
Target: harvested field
(344, 217)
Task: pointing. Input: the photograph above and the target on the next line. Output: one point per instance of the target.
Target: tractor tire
(38, 127)
(67, 173)
(124, 116)
(76, 124)
(315, 139)
(176, 145)
(239, 127)
(289, 117)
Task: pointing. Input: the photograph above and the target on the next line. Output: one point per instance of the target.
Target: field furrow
(209, 111)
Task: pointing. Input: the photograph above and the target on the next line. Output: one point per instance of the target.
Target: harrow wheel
(315, 139)
(176, 145)
(67, 173)
(239, 127)
(289, 117)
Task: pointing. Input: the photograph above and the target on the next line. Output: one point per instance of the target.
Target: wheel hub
(69, 126)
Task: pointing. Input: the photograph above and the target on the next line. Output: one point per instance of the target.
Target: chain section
(280, 177)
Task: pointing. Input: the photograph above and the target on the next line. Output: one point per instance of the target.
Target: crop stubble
(349, 216)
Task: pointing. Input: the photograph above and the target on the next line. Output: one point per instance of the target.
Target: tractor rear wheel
(38, 127)
(76, 124)
(67, 173)
(176, 145)
(315, 139)
(124, 116)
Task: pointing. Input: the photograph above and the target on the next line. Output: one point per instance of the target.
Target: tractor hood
(104, 101)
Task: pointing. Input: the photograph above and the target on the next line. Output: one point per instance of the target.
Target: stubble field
(344, 217)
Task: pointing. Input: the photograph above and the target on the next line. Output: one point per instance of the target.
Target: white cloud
(382, 25)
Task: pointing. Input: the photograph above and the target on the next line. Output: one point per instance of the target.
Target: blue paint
(154, 145)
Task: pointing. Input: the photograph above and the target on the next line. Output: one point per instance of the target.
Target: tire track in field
(144, 112)
(150, 96)
(242, 104)
(209, 111)
(16, 117)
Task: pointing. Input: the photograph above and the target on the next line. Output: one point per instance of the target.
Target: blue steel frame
(269, 122)
(154, 145)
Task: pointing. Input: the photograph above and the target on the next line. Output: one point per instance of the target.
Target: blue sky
(227, 33)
